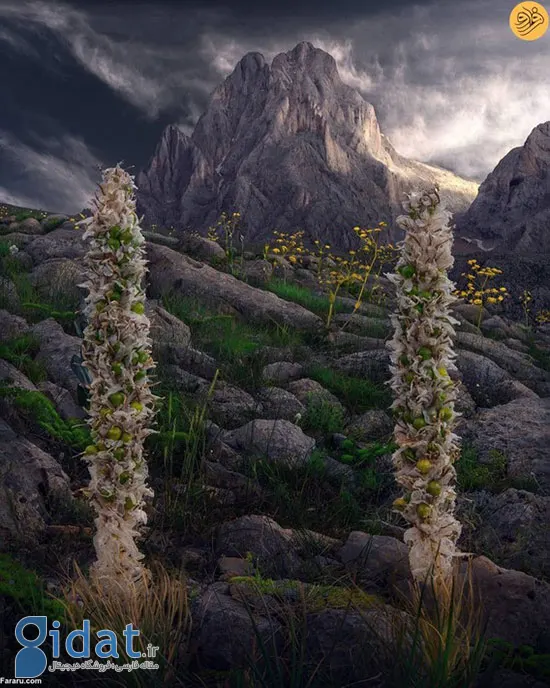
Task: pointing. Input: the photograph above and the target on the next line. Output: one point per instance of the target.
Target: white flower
(424, 395)
(13, 249)
(117, 353)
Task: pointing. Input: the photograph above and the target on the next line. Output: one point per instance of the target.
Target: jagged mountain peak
(306, 58)
(290, 146)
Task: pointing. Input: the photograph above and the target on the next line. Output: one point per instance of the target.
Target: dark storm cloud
(449, 81)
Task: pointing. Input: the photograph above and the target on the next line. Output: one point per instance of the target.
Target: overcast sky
(87, 84)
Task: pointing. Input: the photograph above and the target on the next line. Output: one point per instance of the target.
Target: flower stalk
(424, 395)
(117, 354)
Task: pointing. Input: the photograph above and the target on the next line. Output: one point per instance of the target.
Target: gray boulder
(273, 547)
(12, 326)
(488, 383)
(521, 431)
(276, 440)
(10, 376)
(61, 243)
(30, 226)
(57, 280)
(520, 366)
(228, 632)
(371, 425)
(171, 271)
(376, 559)
(56, 351)
(31, 481)
(282, 371)
(279, 403)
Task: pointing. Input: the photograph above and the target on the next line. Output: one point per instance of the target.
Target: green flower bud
(419, 423)
(114, 433)
(407, 271)
(399, 503)
(117, 399)
(424, 511)
(433, 488)
(446, 413)
(424, 353)
(424, 466)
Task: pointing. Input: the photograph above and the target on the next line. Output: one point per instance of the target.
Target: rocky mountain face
(289, 146)
(507, 224)
(512, 209)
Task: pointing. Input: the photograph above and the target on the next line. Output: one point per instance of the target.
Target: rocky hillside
(512, 209)
(273, 481)
(289, 146)
(507, 225)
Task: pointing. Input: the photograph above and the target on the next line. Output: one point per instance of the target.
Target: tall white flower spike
(424, 395)
(117, 353)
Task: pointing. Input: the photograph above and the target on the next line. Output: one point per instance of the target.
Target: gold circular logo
(529, 21)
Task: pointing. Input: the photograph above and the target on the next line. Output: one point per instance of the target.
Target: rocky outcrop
(289, 146)
(512, 209)
(520, 430)
(173, 272)
(30, 481)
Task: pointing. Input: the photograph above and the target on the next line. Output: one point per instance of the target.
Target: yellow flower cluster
(477, 291)
(333, 271)
(356, 269)
(543, 316)
(289, 246)
(225, 228)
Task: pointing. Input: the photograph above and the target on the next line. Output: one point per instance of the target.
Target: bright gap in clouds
(63, 169)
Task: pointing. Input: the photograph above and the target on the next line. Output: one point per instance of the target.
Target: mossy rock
(315, 597)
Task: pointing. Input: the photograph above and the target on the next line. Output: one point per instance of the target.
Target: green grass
(52, 223)
(492, 475)
(237, 345)
(176, 455)
(22, 215)
(541, 356)
(358, 395)
(40, 410)
(58, 303)
(322, 415)
(5, 249)
(20, 352)
(26, 589)
(303, 296)
(305, 497)
(523, 659)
